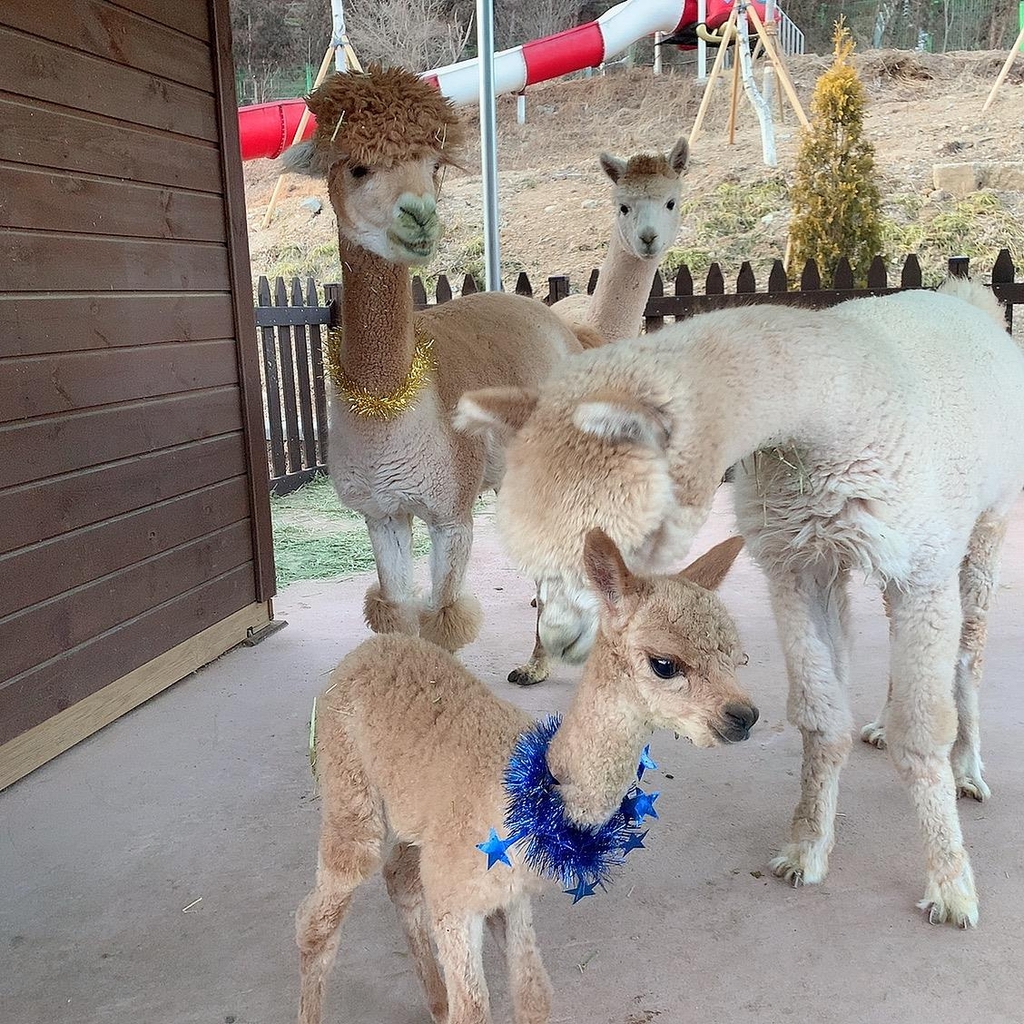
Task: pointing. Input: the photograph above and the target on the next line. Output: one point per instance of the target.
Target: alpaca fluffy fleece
(881, 436)
(381, 117)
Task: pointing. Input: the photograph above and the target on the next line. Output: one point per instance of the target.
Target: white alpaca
(880, 436)
(646, 201)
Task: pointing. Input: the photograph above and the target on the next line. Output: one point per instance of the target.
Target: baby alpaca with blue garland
(478, 804)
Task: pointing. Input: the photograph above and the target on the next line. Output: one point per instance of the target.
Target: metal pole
(338, 36)
(657, 52)
(702, 47)
(488, 143)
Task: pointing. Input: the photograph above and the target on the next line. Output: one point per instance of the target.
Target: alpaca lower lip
(420, 247)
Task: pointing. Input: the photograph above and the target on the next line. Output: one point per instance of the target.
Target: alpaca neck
(376, 320)
(595, 751)
(623, 286)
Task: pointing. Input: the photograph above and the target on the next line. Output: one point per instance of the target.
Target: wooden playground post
(1006, 67)
(352, 63)
(781, 71)
(716, 70)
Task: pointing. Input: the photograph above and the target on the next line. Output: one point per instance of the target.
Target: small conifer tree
(836, 203)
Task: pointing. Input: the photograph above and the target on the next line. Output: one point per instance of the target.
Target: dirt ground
(555, 214)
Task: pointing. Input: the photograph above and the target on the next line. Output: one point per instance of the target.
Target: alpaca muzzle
(736, 722)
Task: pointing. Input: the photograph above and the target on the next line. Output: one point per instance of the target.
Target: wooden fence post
(558, 288)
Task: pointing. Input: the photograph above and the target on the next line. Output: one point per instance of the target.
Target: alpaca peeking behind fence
(410, 747)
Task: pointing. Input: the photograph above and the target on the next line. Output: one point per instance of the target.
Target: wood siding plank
(43, 571)
(41, 262)
(56, 201)
(60, 683)
(61, 444)
(50, 323)
(47, 508)
(45, 385)
(41, 70)
(189, 16)
(63, 730)
(241, 291)
(47, 136)
(85, 612)
(117, 35)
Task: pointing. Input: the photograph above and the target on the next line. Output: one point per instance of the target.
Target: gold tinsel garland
(381, 407)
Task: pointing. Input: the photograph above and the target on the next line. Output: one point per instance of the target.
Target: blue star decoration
(581, 891)
(580, 857)
(496, 849)
(634, 842)
(646, 763)
(639, 805)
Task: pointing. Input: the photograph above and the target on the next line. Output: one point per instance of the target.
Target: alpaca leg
(402, 877)
(978, 580)
(812, 618)
(921, 728)
(451, 619)
(389, 605)
(874, 732)
(528, 980)
(459, 941)
(537, 669)
(349, 852)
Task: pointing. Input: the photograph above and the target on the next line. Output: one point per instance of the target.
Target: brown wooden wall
(133, 495)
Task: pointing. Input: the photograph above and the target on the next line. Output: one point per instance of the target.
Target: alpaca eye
(360, 171)
(671, 204)
(623, 209)
(663, 668)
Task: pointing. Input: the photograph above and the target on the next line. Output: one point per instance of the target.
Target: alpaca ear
(503, 410)
(299, 159)
(623, 420)
(613, 166)
(711, 568)
(680, 156)
(606, 570)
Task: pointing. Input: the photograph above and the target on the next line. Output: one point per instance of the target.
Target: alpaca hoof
(800, 864)
(874, 733)
(533, 672)
(384, 616)
(970, 783)
(954, 902)
(976, 788)
(454, 625)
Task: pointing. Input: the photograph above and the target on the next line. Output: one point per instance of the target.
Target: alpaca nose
(420, 208)
(738, 720)
(648, 237)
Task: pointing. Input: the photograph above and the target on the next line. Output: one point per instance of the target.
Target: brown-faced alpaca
(412, 748)
(646, 194)
(382, 141)
(881, 436)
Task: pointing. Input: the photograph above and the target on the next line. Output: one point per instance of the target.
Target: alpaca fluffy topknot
(381, 116)
(647, 165)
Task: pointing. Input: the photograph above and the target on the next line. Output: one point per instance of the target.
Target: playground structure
(1010, 57)
(267, 129)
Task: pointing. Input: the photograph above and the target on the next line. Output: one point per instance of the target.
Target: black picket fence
(292, 325)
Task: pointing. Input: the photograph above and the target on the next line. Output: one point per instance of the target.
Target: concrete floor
(151, 873)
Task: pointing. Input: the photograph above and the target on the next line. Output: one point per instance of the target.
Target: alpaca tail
(976, 294)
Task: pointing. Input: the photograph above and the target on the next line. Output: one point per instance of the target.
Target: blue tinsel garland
(579, 857)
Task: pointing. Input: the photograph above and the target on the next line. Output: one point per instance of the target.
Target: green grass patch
(316, 539)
